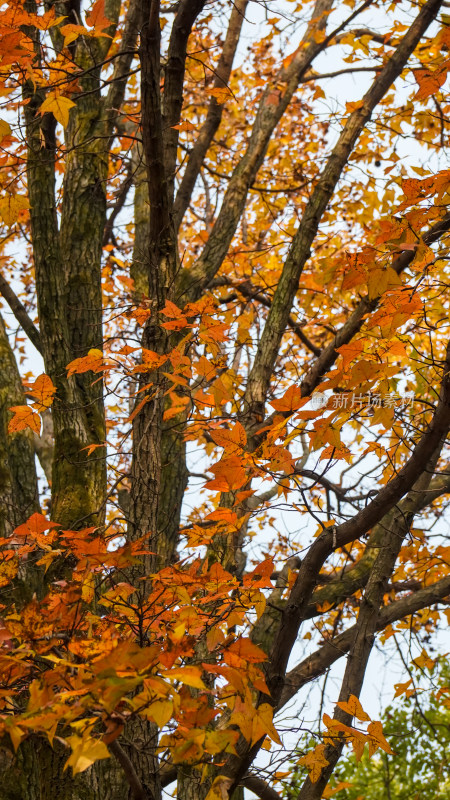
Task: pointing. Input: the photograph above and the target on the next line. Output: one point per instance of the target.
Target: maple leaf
(354, 708)
(85, 752)
(42, 391)
(59, 106)
(92, 362)
(221, 95)
(96, 17)
(429, 82)
(350, 351)
(243, 651)
(291, 400)
(5, 129)
(191, 676)
(229, 474)
(377, 739)
(233, 440)
(315, 762)
(11, 207)
(24, 417)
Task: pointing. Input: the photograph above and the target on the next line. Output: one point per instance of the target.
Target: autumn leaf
(59, 106)
(377, 739)
(243, 651)
(185, 125)
(221, 95)
(96, 17)
(263, 724)
(350, 351)
(429, 82)
(315, 762)
(42, 392)
(24, 417)
(191, 676)
(160, 711)
(85, 752)
(5, 129)
(291, 400)
(219, 788)
(403, 688)
(11, 207)
(354, 708)
(233, 440)
(424, 661)
(92, 362)
(229, 474)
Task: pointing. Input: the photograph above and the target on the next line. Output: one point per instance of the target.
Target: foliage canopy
(236, 283)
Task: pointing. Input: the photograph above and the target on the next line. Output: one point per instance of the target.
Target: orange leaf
(354, 708)
(93, 362)
(24, 417)
(96, 17)
(42, 391)
(291, 400)
(429, 82)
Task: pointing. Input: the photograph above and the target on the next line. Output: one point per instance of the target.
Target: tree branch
(130, 773)
(259, 787)
(121, 197)
(214, 115)
(114, 99)
(251, 292)
(269, 113)
(348, 531)
(319, 661)
(20, 314)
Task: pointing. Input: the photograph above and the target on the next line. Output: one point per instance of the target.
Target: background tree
(418, 733)
(197, 239)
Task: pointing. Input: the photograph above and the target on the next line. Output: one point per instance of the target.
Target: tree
(232, 282)
(418, 734)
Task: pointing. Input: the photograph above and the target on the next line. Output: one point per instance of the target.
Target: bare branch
(114, 98)
(136, 787)
(214, 115)
(20, 314)
(319, 661)
(259, 787)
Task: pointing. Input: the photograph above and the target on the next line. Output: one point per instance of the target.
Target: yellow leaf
(263, 725)
(191, 676)
(16, 734)
(92, 362)
(377, 739)
(221, 94)
(5, 129)
(402, 688)
(424, 660)
(85, 752)
(354, 708)
(160, 712)
(11, 206)
(42, 392)
(350, 351)
(59, 106)
(185, 125)
(315, 762)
